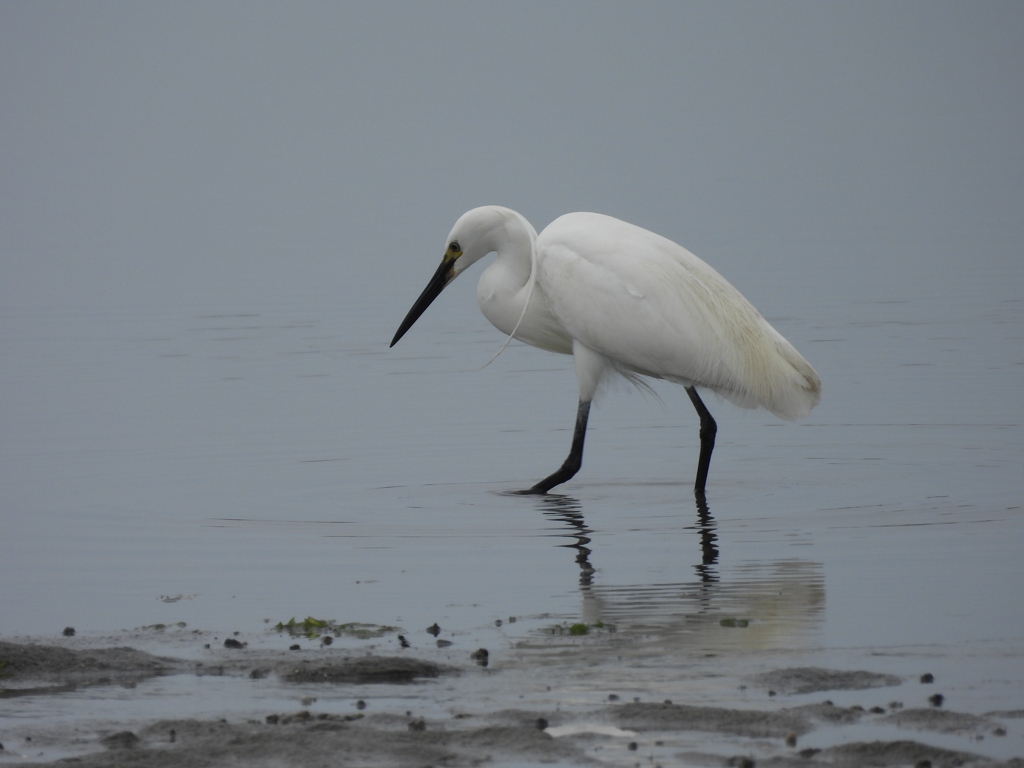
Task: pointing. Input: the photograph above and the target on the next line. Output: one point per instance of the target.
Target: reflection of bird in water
(567, 510)
(625, 301)
(709, 552)
(758, 606)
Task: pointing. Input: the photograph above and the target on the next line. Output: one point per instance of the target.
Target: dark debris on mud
(317, 741)
(363, 669)
(797, 680)
(681, 717)
(66, 668)
(465, 739)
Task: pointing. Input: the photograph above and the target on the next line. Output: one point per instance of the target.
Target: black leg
(708, 429)
(574, 461)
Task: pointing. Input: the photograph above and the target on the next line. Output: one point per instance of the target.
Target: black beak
(441, 278)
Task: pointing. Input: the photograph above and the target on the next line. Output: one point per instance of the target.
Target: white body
(620, 298)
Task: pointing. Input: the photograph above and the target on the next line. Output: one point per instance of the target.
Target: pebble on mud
(417, 725)
(360, 704)
(402, 641)
(232, 643)
(936, 699)
(480, 656)
(69, 632)
(927, 677)
(443, 643)
(791, 739)
(434, 629)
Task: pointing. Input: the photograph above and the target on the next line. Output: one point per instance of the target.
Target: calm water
(227, 467)
(281, 461)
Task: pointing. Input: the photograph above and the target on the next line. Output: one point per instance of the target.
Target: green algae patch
(313, 628)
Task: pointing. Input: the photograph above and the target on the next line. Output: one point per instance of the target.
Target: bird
(623, 301)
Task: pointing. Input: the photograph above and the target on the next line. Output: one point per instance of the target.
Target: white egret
(623, 300)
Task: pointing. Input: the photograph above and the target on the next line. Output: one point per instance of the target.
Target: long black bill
(441, 278)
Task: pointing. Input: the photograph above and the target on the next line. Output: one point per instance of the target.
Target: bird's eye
(453, 246)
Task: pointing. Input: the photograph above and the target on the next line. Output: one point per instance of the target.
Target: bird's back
(654, 308)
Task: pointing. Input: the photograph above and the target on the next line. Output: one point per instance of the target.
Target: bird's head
(476, 233)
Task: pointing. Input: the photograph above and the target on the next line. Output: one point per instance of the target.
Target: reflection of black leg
(708, 429)
(574, 461)
(709, 552)
(566, 509)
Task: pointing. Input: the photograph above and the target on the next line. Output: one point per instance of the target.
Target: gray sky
(243, 152)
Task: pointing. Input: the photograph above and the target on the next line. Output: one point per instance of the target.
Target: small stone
(232, 643)
(443, 643)
(434, 630)
(402, 641)
(1000, 731)
(876, 711)
(69, 632)
(936, 699)
(295, 647)
(632, 746)
(497, 622)
(326, 640)
(791, 739)
(417, 725)
(360, 704)
(927, 677)
(541, 723)
(613, 697)
(480, 656)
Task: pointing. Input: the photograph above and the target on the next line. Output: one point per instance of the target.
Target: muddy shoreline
(620, 732)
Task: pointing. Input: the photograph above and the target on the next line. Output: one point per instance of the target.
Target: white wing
(653, 307)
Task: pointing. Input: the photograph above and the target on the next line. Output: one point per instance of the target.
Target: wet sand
(449, 706)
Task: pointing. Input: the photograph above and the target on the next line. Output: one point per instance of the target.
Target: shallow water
(230, 469)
